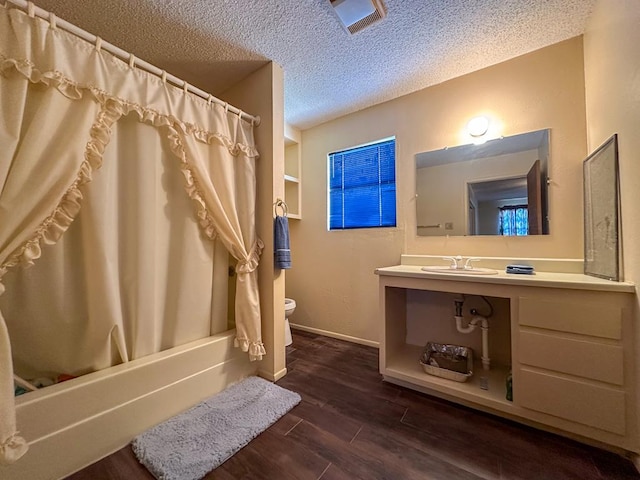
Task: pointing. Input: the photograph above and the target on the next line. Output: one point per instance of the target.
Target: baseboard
(339, 336)
(272, 377)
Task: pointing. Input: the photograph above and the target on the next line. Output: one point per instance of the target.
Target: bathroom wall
(332, 278)
(612, 79)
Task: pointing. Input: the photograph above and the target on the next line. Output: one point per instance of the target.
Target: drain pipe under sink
(484, 326)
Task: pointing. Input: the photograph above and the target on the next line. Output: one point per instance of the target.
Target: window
(362, 186)
(514, 220)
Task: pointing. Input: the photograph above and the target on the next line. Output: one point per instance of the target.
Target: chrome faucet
(460, 263)
(456, 262)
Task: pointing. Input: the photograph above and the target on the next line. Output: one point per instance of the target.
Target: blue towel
(281, 242)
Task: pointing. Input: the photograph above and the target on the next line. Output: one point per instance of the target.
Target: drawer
(594, 319)
(587, 359)
(593, 405)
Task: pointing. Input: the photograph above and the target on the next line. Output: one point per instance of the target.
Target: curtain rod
(127, 57)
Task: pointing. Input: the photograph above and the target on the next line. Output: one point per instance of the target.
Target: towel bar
(282, 204)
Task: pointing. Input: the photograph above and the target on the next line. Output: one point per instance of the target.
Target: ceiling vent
(356, 15)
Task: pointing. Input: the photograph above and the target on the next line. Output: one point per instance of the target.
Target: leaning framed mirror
(601, 212)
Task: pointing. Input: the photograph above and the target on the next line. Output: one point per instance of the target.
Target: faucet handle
(468, 265)
(453, 260)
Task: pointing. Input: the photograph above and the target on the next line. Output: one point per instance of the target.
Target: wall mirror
(496, 188)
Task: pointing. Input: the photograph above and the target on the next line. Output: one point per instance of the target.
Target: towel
(281, 249)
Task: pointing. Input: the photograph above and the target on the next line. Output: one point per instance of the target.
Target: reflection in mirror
(496, 188)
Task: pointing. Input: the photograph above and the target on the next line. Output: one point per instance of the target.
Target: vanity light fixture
(478, 127)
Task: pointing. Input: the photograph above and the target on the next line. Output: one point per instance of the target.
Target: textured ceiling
(212, 44)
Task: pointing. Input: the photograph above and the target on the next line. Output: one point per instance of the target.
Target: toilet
(289, 307)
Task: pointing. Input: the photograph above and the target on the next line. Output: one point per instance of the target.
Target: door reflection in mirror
(463, 190)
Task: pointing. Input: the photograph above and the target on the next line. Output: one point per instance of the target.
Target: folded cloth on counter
(521, 269)
(281, 242)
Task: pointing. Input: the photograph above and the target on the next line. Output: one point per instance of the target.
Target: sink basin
(459, 271)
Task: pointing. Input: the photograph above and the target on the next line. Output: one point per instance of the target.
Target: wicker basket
(453, 362)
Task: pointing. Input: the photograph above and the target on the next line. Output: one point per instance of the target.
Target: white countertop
(539, 279)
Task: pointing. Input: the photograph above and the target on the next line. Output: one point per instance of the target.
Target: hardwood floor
(352, 425)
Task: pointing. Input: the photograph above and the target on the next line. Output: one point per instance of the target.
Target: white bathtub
(73, 424)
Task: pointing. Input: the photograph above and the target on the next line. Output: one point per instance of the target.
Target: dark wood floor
(352, 425)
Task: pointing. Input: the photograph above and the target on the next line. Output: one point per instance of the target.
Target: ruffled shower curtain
(133, 275)
(61, 100)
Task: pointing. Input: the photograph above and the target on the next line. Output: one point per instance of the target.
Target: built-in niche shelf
(292, 171)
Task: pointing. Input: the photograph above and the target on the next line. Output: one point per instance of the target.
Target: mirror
(496, 188)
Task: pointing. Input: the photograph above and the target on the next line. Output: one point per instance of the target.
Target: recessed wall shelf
(292, 171)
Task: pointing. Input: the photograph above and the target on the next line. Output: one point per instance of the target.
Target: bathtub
(73, 424)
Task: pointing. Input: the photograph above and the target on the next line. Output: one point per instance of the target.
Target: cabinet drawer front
(565, 316)
(592, 360)
(595, 406)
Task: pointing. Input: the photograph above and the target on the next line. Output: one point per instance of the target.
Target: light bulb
(478, 126)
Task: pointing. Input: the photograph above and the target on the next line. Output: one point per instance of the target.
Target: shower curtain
(133, 274)
(66, 107)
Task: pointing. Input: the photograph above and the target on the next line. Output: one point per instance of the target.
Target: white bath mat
(190, 445)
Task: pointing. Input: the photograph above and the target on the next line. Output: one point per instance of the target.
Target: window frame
(380, 204)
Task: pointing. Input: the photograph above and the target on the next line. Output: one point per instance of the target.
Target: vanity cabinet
(571, 357)
(571, 351)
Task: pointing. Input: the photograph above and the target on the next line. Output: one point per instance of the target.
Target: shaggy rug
(190, 445)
